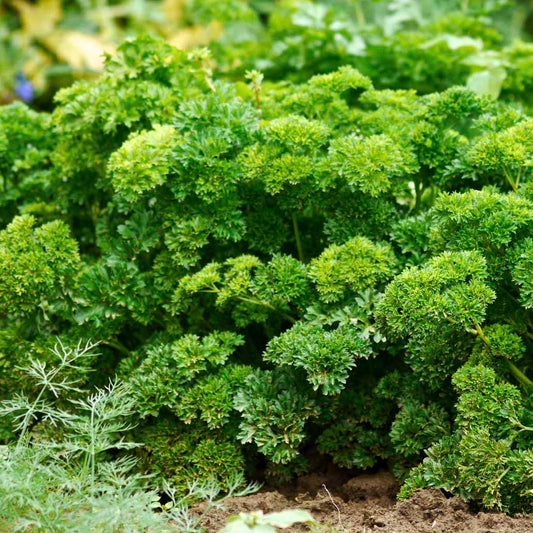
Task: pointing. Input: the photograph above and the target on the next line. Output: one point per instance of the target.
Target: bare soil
(367, 503)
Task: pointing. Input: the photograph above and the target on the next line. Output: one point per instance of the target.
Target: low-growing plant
(63, 472)
(276, 268)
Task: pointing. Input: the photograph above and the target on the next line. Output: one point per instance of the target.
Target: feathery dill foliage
(331, 262)
(65, 472)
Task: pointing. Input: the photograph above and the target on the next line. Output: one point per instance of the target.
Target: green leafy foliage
(37, 265)
(63, 477)
(330, 260)
(486, 458)
(370, 164)
(326, 356)
(142, 162)
(355, 265)
(25, 150)
(159, 379)
(450, 289)
(274, 413)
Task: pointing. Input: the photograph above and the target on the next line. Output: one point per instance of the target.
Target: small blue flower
(23, 88)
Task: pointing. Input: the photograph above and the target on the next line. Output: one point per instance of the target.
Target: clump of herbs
(332, 262)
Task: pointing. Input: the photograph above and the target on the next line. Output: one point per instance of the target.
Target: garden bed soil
(367, 503)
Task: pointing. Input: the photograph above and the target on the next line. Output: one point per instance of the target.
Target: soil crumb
(367, 503)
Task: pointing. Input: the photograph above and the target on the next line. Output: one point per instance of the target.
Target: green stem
(360, 14)
(256, 301)
(418, 196)
(257, 93)
(528, 319)
(521, 426)
(481, 334)
(269, 306)
(93, 451)
(200, 518)
(299, 246)
(519, 177)
(28, 416)
(117, 345)
(433, 195)
(512, 182)
(517, 373)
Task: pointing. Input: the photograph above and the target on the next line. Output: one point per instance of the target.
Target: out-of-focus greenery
(51, 42)
(420, 44)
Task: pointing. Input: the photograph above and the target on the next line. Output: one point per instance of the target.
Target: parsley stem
(512, 182)
(299, 246)
(268, 306)
(479, 332)
(517, 373)
(117, 345)
(360, 14)
(418, 185)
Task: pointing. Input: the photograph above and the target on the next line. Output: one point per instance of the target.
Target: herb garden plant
(274, 268)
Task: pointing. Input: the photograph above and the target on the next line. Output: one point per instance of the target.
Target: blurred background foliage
(420, 44)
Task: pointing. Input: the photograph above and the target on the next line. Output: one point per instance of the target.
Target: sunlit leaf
(40, 18)
(487, 82)
(79, 50)
(196, 35)
(173, 10)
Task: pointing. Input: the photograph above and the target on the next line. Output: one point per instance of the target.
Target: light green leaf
(455, 42)
(261, 523)
(289, 517)
(487, 82)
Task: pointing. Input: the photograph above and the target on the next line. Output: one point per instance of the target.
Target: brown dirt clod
(367, 504)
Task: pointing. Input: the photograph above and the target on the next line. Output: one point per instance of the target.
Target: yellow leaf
(173, 10)
(79, 50)
(38, 19)
(196, 35)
